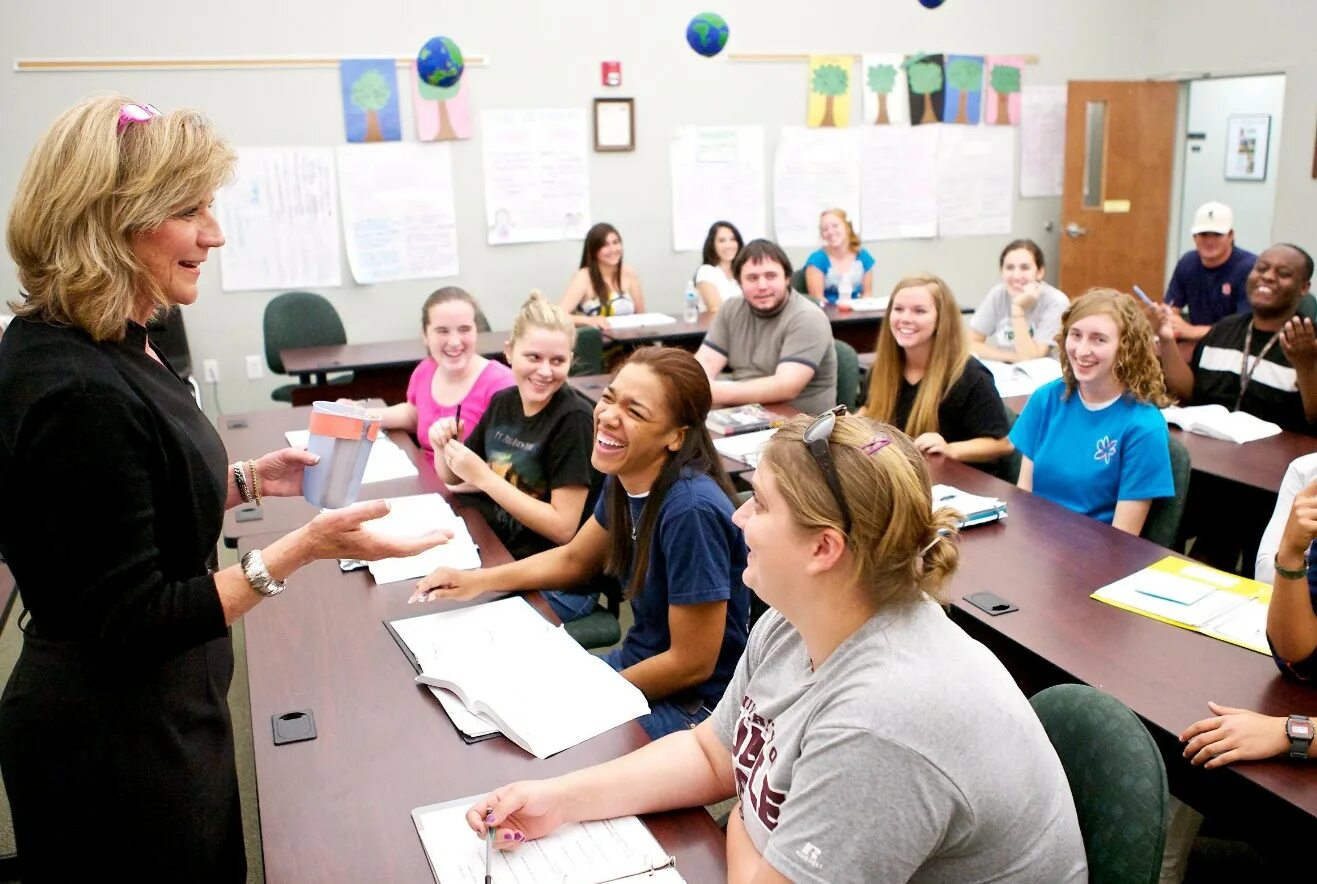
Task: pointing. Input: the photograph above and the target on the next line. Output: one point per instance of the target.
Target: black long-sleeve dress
(115, 740)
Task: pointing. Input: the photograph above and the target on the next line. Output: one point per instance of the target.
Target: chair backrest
(1116, 777)
(167, 333)
(1011, 463)
(588, 355)
(848, 375)
(1163, 522)
(798, 282)
(299, 319)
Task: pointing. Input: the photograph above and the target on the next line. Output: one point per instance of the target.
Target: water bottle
(692, 304)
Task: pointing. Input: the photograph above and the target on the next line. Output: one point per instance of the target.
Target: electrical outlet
(210, 369)
(254, 370)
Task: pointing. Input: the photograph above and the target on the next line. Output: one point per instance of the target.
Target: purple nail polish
(507, 836)
(489, 818)
(517, 836)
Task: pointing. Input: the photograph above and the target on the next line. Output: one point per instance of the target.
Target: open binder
(612, 851)
(975, 508)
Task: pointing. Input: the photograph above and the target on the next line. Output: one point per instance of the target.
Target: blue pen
(1143, 297)
(489, 845)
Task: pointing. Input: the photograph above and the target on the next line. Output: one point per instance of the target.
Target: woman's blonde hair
(87, 192)
(852, 241)
(946, 363)
(902, 546)
(540, 312)
(1136, 364)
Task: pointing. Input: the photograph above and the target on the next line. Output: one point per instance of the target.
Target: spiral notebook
(597, 852)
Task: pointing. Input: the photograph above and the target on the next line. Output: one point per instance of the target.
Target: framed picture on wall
(614, 124)
(1247, 139)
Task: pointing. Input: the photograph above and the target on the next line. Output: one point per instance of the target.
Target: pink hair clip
(135, 113)
(876, 444)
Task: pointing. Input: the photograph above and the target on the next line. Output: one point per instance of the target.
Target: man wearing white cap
(1211, 279)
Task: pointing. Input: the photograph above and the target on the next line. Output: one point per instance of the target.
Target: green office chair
(601, 627)
(1163, 523)
(798, 282)
(848, 375)
(1011, 463)
(1116, 777)
(300, 319)
(588, 356)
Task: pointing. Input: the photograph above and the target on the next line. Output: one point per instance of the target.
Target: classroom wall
(1195, 38)
(542, 54)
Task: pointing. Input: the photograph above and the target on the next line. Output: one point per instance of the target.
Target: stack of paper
(744, 447)
(1022, 378)
(640, 320)
(479, 654)
(1192, 596)
(387, 461)
(416, 515)
(1215, 421)
(867, 305)
(616, 850)
(976, 509)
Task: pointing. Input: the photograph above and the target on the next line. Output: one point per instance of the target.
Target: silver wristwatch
(253, 568)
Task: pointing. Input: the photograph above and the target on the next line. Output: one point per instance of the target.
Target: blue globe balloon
(931, 4)
(440, 62)
(707, 34)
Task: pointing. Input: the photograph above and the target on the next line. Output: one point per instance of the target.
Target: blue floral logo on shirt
(1106, 449)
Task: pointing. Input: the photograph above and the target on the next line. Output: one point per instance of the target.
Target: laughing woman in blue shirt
(663, 525)
(1094, 441)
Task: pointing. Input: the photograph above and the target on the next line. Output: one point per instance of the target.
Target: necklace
(1245, 370)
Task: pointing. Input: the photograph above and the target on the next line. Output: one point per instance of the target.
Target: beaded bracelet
(1290, 573)
(241, 481)
(256, 482)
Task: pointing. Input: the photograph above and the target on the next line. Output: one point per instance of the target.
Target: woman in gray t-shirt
(865, 736)
(1021, 315)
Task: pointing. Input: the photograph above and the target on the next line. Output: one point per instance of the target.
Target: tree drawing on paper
(925, 79)
(446, 131)
(882, 80)
(965, 75)
(830, 81)
(370, 93)
(1005, 82)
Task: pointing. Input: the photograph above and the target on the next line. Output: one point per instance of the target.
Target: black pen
(457, 421)
(489, 830)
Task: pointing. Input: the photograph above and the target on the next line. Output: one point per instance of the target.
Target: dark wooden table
(1048, 561)
(1259, 464)
(255, 433)
(380, 369)
(337, 808)
(686, 335)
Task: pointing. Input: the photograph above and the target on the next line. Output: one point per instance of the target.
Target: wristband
(1290, 573)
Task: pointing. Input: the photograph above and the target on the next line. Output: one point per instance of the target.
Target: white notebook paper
(387, 461)
(640, 320)
(479, 654)
(1022, 378)
(867, 305)
(745, 447)
(975, 508)
(616, 850)
(416, 515)
(1218, 423)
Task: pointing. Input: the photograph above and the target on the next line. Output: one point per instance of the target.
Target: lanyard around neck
(1245, 370)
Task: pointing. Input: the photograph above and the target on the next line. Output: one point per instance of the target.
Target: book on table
(1198, 598)
(595, 852)
(737, 419)
(1023, 377)
(745, 447)
(513, 670)
(975, 508)
(1219, 423)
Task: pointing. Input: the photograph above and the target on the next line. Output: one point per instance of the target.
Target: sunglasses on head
(816, 440)
(135, 113)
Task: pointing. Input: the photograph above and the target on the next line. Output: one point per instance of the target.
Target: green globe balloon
(440, 62)
(707, 34)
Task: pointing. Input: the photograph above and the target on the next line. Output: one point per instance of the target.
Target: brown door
(1120, 140)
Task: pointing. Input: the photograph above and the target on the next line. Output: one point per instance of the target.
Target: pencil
(457, 419)
(1143, 297)
(489, 830)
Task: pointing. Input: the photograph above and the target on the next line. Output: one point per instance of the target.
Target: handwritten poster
(399, 220)
(1042, 140)
(830, 90)
(813, 170)
(370, 99)
(976, 180)
(886, 93)
(280, 220)
(717, 175)
(898, 181)
(537, 182)
(442, 114)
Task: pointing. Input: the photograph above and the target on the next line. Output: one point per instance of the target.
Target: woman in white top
(1021, 315)
(714, 281)
(604, 286)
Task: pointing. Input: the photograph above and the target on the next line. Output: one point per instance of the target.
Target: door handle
(1073, 230)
